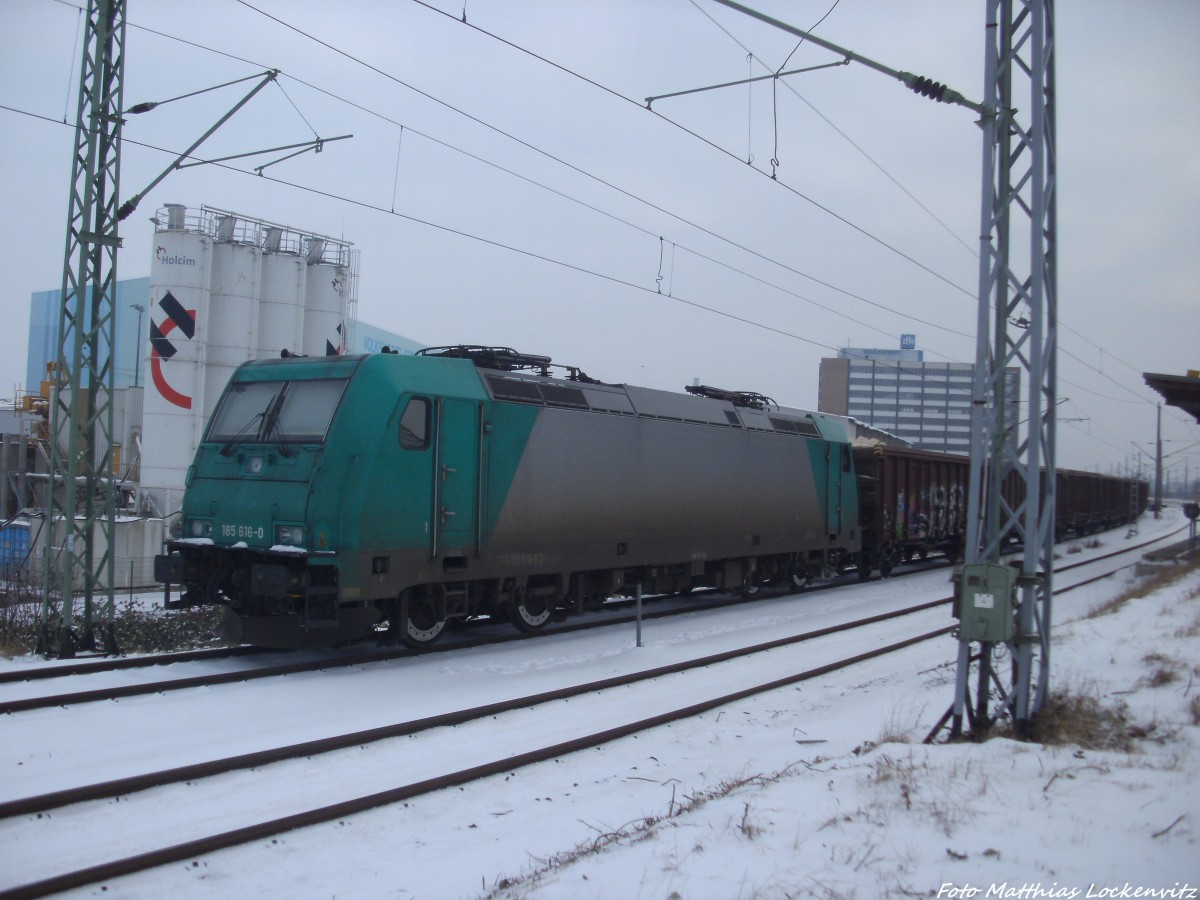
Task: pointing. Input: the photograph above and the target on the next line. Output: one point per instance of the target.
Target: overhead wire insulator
(927, 87)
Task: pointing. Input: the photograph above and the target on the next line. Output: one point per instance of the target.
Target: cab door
(833, 489)
(456, 477)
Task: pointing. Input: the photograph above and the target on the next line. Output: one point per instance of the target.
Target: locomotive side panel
(605, 491)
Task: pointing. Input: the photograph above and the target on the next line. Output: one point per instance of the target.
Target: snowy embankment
(820, 790)
(1003, 818)
(891, 816)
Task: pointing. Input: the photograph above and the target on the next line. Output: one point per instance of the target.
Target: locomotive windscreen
(276, 411)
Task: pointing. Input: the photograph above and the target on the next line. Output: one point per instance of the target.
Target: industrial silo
(281, 303)
(178, 313)
(227, 288)
(326, 289)
(233, 303)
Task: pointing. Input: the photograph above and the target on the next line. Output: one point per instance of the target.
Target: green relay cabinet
(985, 602)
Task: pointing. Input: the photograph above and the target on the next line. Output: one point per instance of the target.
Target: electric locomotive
(331, 497)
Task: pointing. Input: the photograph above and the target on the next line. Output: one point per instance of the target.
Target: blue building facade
(130, 368)
(45, 307)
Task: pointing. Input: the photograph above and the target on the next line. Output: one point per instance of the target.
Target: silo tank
(325, 309)
(178, 312)
(233, 315)
(281, 306)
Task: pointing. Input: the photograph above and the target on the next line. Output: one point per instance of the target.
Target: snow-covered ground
(823, 789)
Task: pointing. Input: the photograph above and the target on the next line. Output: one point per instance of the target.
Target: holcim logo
(162, 349)
(168, 260)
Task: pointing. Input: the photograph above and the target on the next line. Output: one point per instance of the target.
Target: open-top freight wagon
(914, 502)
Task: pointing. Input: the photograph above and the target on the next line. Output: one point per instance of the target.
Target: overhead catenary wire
(823, 283)
(548, 155)
(753, 57)
(802, 274)
(538, 150)
(613, 279)
(617, 94)
(478, 238)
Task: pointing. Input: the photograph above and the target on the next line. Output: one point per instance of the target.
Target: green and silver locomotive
(333, 497)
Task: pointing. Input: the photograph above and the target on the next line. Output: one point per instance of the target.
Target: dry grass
(900, 725)
(1080, 718)
(1145, 586)
(138, 629)
(639, 830)
(1164, 670)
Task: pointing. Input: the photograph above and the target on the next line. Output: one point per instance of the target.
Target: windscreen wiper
(271, 423)
(242, 432)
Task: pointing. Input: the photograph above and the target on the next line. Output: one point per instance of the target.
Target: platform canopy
(1182, 391)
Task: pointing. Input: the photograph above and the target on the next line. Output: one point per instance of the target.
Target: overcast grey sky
(759, 278)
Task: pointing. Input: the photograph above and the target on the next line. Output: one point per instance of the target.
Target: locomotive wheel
(798, 579)
(751, 586)
(422, 626)
(530, 615)
(887, 559)
(864, 567)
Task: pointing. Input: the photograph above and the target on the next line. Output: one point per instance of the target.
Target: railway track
(496, 635)
(352, 657)
(47, 804)
(499, 764)
(357, 658)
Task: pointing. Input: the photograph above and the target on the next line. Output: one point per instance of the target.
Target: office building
(925, 403)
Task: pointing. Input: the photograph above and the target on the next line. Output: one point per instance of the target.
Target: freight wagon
(914, 502)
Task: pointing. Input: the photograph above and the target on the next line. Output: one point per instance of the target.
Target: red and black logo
(161, 348)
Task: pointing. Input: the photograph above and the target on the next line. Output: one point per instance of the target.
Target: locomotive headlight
(291, 535)
(200, 528)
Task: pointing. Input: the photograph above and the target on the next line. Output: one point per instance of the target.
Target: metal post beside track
(638, 600)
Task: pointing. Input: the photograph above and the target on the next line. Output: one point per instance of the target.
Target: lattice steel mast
(1017, 327)
(77, 605)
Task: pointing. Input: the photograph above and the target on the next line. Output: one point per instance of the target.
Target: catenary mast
(1017, 327)
(80, 503)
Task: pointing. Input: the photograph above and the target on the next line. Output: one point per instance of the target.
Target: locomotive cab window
(276, 411)
(414, 425)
